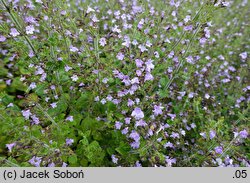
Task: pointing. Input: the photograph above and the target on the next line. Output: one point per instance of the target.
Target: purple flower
(172, 116)
(130, 103)
(26, 114)
(148, 77)
(51, 164)
(137, 113)
(67, 68)
(14, 32)
(74, 77)
(169, 144)
(170, 161)
(35, 119)
(212, 134)
(73, 49)
(120, 56)
(53, 105)
(30, 29)
(135, 80)
(125, 131)
(64, 164)
(127, 120)
(157, 110)
(140, 123)
(135, 136)
(102, 42)
(218, 150)
(203, 134)
(138, 62)
(10, 146)
(135, 145)
(2, 38)
(142, 48)
(69, 118)
(32, 85)
(243, 55)
(243, 134)
(149, 65)
(114, 159)
(35, 161)
(69, 142)
(138, 164)
(203, 40)
(175, 135)
(191, 95)
(118, 125)
(190, 59)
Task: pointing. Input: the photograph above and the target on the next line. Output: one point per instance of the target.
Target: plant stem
(20, 28)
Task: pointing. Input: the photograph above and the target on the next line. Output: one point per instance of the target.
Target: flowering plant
(124, 83)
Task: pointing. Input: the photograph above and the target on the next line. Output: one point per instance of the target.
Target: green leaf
(164, 81)
(72, 159)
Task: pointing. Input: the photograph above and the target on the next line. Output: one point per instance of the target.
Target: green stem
(19, 27)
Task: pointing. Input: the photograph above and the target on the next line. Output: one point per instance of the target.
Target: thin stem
(19, 27)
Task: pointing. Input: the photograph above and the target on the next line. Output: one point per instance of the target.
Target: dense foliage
(124, 83)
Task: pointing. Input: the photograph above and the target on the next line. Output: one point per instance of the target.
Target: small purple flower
(135, 145)
(118, 125)
(64, 164)
(169, 144)
(203, 134)
(130, 103)
(30, 29)
(35, 119)
(137, 113)
(140, 123)
(10, 105)
(67, 68)
(125, 131)
(149, 65)
(170, 161)
(10, 146)
(53, 105)
(120, 56)
(14, 32)
(135, 136)
(157, 110)
(135, 80)
(51, 164)
(218, 150)
(212, 134)
(203, 40)
(243, 55)
(2, 38)
(32, 85)
(69, 142)
(26, 114)
(138, 62)
(190, 59)
(191, 95)
(69, 118)
(74, 77)
(127, 120)
(35, 161)
(175, 135)
(243, 134)
(114, 159)
(148, 77)
(172, 116)
(73, 49)
(138, 164)
(102, 42)
(142, 48)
